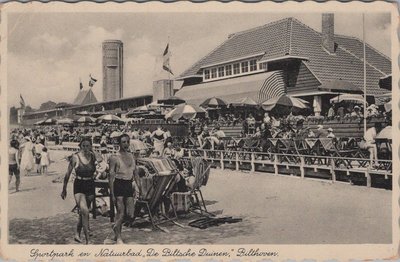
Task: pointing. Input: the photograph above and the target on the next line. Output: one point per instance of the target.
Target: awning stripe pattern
(273, 86)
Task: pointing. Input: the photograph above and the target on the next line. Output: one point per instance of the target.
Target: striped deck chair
(154, 183)
(201, 172)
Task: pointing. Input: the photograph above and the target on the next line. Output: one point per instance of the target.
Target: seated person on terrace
(372, 111)
(202, 138)
(340, 112)
(267, 119)
(330, 133)
(251, 124)
(331, 112)
(321, 132)
(356, 113)
(215, 137)
(169, 151)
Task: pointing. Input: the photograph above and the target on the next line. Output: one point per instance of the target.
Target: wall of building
(162, 89)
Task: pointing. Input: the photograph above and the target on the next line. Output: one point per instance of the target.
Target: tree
(48, 105)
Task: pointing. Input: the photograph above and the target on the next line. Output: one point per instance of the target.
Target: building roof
(85, 97)
(291, 38)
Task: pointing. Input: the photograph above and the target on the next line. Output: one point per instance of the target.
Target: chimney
(328, 32)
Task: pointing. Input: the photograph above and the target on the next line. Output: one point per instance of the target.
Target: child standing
(44, 161)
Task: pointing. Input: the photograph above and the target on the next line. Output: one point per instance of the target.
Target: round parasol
(388, 106)
(244, 102)
(184, 110)
(83, 113)
(172, 100)
(284, 100)
(110, 118)
(40, 122)
(213, 102)
(349, 98)
(49, 121)
(65, 121)
(385, 133)
(86, 119)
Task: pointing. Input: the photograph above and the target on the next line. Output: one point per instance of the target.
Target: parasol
(385, 133)
(244, 102)
(213, 102)
(184, 110)
(172, 100)
(110, 118)
(349, 98)
(86, 119)
(284, 100)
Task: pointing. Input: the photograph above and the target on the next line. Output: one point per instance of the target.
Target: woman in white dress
(158, 137)
(27, 156)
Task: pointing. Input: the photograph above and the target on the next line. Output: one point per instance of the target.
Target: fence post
(333, 173)
(253, 166)
(276, 164)
(302, 166)
(237, 161)
(222, 160)
(368, 176)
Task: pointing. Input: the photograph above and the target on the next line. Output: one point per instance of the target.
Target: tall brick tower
(112, 70)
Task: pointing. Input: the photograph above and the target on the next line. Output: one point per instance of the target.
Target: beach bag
(102, 207)
(181, 201)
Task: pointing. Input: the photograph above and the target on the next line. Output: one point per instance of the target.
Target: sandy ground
(274, 209)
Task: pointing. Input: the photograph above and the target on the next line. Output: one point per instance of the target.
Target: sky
(48, 53)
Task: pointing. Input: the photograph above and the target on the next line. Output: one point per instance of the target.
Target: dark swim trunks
(123, 188)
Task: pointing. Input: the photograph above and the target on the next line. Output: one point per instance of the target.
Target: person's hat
(356, 107)
(330, 129)
(320, 126)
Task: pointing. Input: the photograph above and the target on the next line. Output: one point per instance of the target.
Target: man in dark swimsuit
(122, 168)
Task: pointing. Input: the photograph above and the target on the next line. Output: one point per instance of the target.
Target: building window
(206, 74)
(213, 73)
(245, 67)
(236, 69)
(221, 72)
(263, 66)
(228, 70)
(253, 65)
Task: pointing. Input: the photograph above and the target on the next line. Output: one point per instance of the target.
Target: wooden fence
(330, 168)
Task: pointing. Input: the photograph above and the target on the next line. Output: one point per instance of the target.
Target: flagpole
(169, 73)
(365, 77)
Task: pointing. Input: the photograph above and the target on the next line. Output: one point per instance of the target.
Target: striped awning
(273, 86)
(258, 87)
